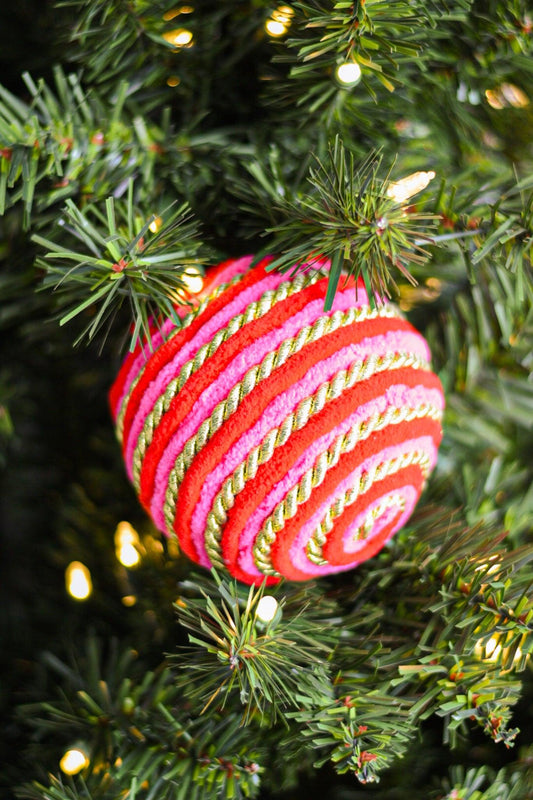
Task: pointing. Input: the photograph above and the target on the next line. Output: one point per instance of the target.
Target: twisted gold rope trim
(310, 333)
(299, 493)
(183, 324)
(317, 541)
(253, 311)
(225, 498)
(391, 501)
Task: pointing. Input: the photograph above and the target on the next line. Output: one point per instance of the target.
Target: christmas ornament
(273, 438)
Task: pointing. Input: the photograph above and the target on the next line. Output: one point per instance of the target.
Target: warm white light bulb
(283, 14)
(155, 224)
(493, 649)
(349, 73)
(193, 281)
(180, 37)
(128, 555)
(78, 581)
(129, 600)
(402, 190)
(507, 95)
(126, 541)
(267, 608)
(73, 761)
(275, 27)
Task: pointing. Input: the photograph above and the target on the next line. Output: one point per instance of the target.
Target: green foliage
(420, 657)
(122, 262)
(362, 733)
(348, 217)
(345, 678)
(269, 665)
(139, 736)
(68, 144)
(137, 41)
(376, 35)
(483, 784)
(511, 240)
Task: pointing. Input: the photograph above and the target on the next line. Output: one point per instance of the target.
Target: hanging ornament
(273, 438)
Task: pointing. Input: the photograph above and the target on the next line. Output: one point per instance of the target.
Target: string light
(78, 581)
(126, 543)
(180, 37)
(156, 223)
(73, 761)
(402, 190)
(496, 647)
(275, 28)
(193, 281)
(495, 567)
(493, 649)
(129, 600)
(267, 608)
(279, 22)
(506, 95)
(175, 12)
(173, 80)
(349, 73)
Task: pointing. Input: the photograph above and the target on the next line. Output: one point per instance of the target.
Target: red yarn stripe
(283, 458)
(209, 371)
(168, 350)
(257, 489)
(333, 549)
(115, 393)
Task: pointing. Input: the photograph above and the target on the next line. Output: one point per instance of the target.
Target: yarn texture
(275, 439)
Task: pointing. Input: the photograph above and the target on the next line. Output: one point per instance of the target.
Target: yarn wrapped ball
(276, 439)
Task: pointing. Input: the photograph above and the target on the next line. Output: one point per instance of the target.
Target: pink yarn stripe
(226, 273)
(409, 494)
(143, 355)
(256, 520)
(286, 403)
(220, 388)
(298, 555)
(188, 351)
(239, 266)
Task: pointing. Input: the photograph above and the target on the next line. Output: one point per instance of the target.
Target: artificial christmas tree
(387, 144)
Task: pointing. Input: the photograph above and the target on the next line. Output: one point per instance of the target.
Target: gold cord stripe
(319, 537)
(311, 333)
(183, 324)
(391, 501)
(253, 311)
(343, 380)
(225, 498)
(301, 492)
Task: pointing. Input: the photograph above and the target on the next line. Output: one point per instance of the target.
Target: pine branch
(350, 218)
(385, 43)
(510, 240)
(134, 35)
(139, 736)
(458, 658)
(268, 665)
(373, 34)
(69, 143)
(361, 733)
(485, 784)
(120, 262)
